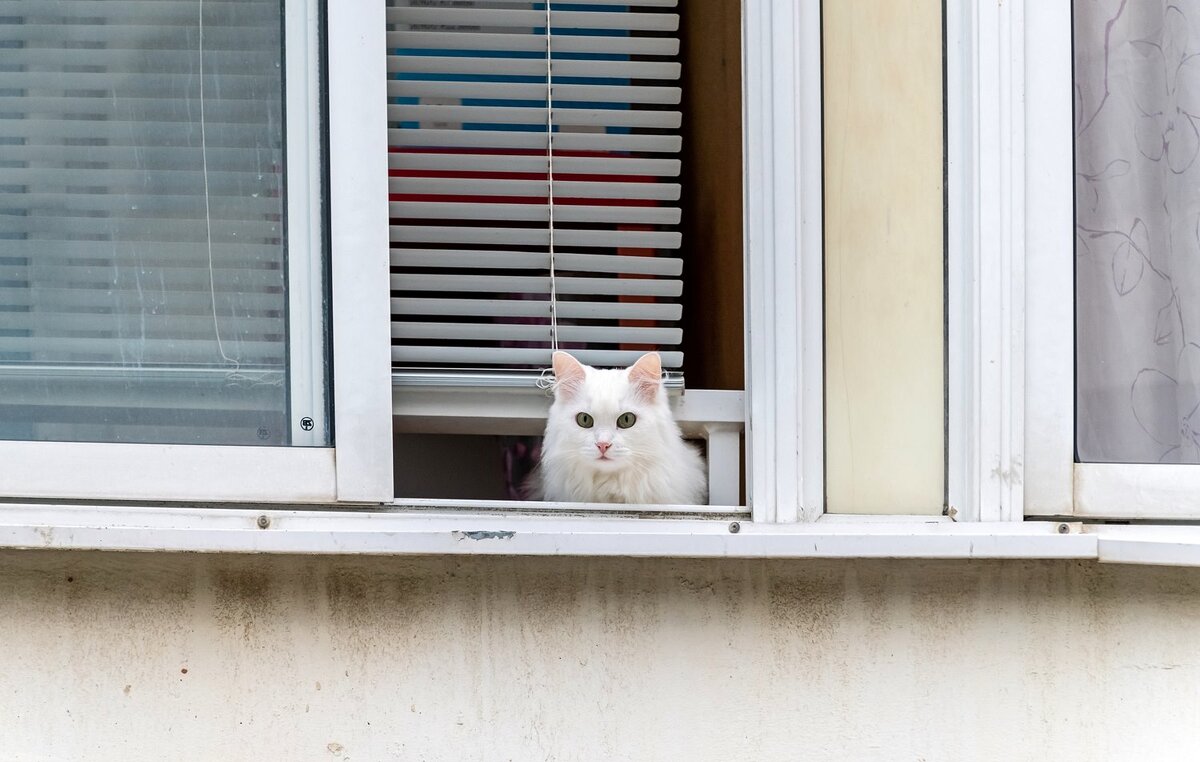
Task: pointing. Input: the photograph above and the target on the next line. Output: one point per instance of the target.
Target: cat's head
(609, 419)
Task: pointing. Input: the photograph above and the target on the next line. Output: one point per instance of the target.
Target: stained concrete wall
(151, 657)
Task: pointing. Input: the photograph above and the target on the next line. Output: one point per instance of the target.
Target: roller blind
(534, 182)
(142, 269)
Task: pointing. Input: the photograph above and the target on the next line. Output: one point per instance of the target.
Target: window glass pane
(143, 257)
(1137, 83)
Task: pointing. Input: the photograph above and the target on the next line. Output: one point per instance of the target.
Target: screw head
(1064, 529)
(735, 527)
(264, 521)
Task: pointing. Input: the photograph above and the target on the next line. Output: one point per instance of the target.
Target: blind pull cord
(550, 183)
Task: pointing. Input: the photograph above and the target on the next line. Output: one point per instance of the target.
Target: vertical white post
(358, 195)
(986, 152)
(1050, 262)
(724, 463)
(307, 391)
(782, 70)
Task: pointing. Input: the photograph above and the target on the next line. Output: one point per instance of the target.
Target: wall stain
(242, 598)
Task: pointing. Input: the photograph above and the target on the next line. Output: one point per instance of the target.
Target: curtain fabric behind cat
(534, 192)
(1137, 82)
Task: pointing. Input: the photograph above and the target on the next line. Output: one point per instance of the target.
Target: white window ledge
(239, 530)
(1154, 545)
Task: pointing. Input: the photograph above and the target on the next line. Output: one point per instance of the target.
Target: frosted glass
(1137, 257)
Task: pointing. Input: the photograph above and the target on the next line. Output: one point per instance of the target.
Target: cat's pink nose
(603, 448)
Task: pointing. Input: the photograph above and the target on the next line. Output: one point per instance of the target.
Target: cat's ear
(646, 376)
(568, 375)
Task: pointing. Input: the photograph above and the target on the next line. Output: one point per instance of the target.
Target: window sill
(133, 528)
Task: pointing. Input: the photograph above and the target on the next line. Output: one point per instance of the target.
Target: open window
(563, 175)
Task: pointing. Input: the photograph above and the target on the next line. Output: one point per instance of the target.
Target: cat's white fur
(648, 462)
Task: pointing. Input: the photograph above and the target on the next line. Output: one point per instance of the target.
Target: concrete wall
(151, 657)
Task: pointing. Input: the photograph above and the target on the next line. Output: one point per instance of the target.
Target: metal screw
(1064, 529)
(735, 527)
(264, 521)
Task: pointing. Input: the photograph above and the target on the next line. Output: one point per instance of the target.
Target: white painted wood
(104, 471)
(782, 97)
(377, 533)
(987, 260)
(357, 55)
(1050, 274)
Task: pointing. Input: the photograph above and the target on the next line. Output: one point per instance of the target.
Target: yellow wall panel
(884, 256)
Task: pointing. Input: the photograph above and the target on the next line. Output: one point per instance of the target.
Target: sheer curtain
(1137, 199)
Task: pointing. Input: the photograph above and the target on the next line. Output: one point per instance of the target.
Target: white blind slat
(563, 189)
(81, 204)
(537, 260)
(641, 239)
(440, 355)
(531, 91)
(482, 16)
(443, 210)
(217, 39)
(118, 62)
(217, 13)
(525, 332)
(106, 304)
(531, 67)
(148, 229)
(132, 157)
(506, 308)
(567, 3)
(529, 43)
(48, 130)
(563, 141)
(567, 165)
(175, 350)
(532, 284)
(232, 111)
(566, 117)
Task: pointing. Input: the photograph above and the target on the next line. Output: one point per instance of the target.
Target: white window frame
(1002, 187)
(358, 467)
(1055, 483)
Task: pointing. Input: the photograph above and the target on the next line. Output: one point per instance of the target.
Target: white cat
(610, 438)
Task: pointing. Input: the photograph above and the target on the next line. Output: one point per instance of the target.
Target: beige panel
(884, 258)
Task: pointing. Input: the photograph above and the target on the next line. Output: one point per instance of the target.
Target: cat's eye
(625, 420)
(584, 420)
